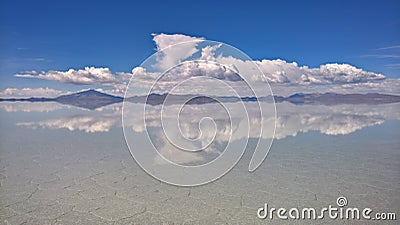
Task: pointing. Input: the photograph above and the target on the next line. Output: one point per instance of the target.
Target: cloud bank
(285, 77)
(89, 75)
(30, 92)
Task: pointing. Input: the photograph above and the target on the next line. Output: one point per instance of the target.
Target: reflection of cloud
(330, 124)
(212, 140)
(168, 151)
(31, 106)
(331, 120)
(291, 119)
(87, 123)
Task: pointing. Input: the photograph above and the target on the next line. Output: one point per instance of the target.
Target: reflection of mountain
(334, 98)
(92, 99)
(315, 98)
(31, 106)
(158, 99)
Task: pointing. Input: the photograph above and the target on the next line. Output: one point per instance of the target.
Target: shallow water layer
(65, 165)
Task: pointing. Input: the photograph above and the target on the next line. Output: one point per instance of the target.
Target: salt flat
(72, 166)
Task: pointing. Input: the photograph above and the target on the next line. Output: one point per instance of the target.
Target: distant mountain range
(90, 99)
(335, 98)
(93, 99)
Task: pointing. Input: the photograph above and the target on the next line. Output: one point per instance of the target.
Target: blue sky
(58, 35)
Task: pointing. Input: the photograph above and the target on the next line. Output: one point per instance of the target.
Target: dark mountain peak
(297, 95)
(89, 93)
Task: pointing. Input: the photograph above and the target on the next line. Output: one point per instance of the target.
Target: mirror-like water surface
(67, 165)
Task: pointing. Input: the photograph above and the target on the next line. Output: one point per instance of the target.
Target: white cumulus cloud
(29, 92)
(89, 75)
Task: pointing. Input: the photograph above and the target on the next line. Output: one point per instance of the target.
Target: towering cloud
(173, 56)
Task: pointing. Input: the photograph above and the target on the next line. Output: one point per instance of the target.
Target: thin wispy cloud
(389, 47)
(383, 56)
(388, 53)
(38, 59)
(393, 65)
